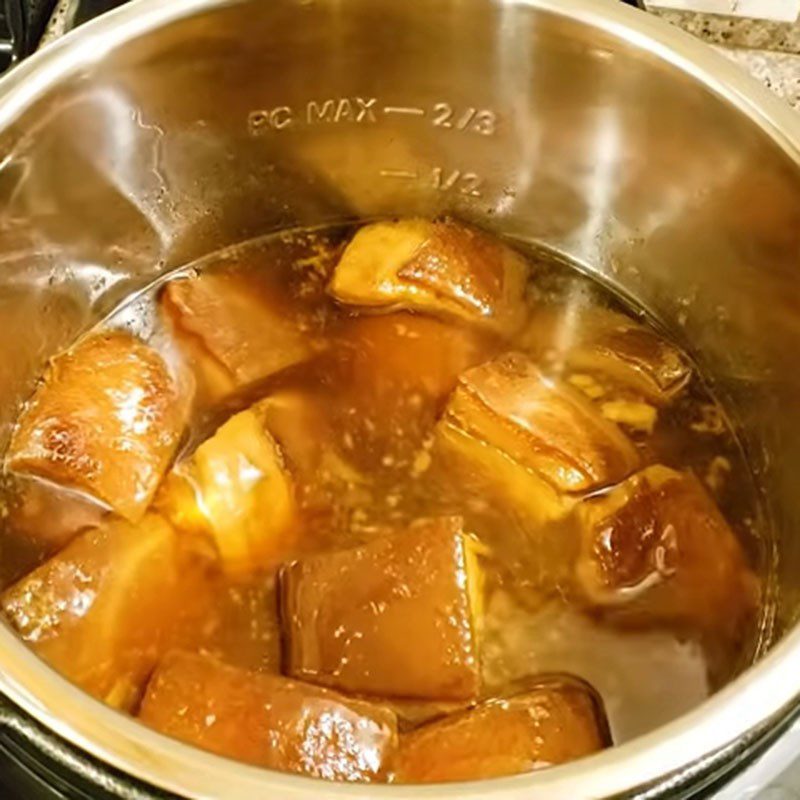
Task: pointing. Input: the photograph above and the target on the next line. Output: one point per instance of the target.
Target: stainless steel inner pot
(166, 130)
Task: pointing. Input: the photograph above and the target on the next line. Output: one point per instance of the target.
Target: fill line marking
(398, 173)
(418, 112)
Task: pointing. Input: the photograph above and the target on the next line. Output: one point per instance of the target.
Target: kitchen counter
(735, 32)
(777, 71)
(770, 51)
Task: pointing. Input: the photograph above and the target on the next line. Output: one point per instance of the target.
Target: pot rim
(724, 725)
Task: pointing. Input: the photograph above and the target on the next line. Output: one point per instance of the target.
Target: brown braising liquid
(356, 426)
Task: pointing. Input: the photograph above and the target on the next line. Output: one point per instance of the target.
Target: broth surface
(353, 411)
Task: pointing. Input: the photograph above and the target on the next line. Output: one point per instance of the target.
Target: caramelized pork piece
(396, 617)
(235, 488)
(656, 550)
(486, 472)
(542, 424)
(268, 720)
(233, 333)
(439, 267)
(610, 348)
(104, 610)
(534, 438)
(106, 420)
(555, 722)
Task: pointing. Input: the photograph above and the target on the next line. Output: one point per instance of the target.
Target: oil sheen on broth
(443, 508)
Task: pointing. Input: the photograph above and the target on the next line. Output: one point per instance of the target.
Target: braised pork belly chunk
(235, 488)
(48, 516)
(105, 609)
(441, 267)
(422, 585)
(106, 419)
(233, 333)
(656, 550)
(628, 370)
(393, 503)
(269, 720)
(554, 722)
(535, 438)
(617, 350)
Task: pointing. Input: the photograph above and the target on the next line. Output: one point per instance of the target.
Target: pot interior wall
(258, 116)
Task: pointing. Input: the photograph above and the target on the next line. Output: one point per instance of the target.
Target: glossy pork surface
(532, 440)
(656, 550)
(235, 488)
(109, 605)
(557, 721)
(422, 585)
(106, 419)
(269, 720)
(441, 267)
(541, 423)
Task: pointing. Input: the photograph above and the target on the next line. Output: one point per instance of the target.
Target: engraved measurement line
(412, 110)
(398, 173)
(442, 179)
(358, 110)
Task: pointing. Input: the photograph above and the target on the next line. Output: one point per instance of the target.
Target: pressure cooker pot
(163, 132)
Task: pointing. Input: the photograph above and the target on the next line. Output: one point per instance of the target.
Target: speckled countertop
(770, 51)
(778, 71)
(735, 32)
